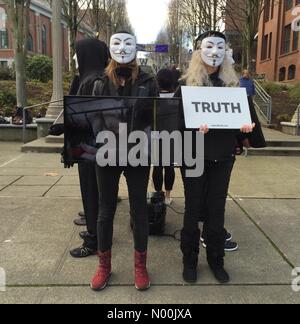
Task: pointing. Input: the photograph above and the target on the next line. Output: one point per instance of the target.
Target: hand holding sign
(248, 128)
(218, 108)
(204, 129)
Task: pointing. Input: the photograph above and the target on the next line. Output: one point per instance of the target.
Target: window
(288, 4)
(272, 9)
(282, 73)
(267, 11)
(270, 45)
(286, 39)
(295, 41)
(30, 43)
(264, 50)
(3, 64)
(44, 40)
(292, 72)
(3, 19)
(4, 39)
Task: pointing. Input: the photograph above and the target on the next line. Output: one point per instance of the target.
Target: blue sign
(153, 48)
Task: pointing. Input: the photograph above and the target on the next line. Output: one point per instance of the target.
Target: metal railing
(263, 102)
(32, 107)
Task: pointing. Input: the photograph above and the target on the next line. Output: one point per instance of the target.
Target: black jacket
(219, 145)
(136, 113)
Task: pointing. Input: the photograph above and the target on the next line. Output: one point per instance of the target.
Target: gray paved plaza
(40, 199)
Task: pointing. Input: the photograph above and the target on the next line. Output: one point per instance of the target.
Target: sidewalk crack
(277, 249)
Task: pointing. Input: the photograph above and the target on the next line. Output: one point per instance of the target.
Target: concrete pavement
(39, 200)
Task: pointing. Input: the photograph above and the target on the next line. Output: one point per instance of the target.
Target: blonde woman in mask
(211, 66)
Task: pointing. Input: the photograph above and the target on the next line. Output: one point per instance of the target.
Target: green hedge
(294, 93)
(6, 73)
(39, 68)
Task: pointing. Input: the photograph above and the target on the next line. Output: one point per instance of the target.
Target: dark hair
(165, 79)
(211, 33)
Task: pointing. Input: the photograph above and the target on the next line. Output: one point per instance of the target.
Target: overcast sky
(147, 18)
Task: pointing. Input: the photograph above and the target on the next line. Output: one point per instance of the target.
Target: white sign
(219, 108)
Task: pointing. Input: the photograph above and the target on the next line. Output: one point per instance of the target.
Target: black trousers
(208, 193)
(108, 187)
(159, 179)
(90, 199)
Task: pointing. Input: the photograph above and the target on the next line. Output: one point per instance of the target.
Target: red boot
(103, 274)
(142, 281)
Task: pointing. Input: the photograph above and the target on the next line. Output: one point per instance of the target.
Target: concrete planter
(14, 133)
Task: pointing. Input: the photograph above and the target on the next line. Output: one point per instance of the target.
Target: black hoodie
(92, 56)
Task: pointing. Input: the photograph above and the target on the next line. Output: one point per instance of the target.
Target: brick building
(233, 26)
(278, 55)
(39, 40)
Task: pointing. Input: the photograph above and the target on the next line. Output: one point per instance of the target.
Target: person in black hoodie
(91, 58)
(123, 78)
(210, 66)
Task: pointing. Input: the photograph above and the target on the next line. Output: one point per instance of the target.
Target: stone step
(41, 146)
(275, 151)
(55, 139)
(283, 143)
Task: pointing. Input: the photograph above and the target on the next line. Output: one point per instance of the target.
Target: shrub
(283, 118)
(294, 93)
(7, 99)
(39, 68)
(272, 87)
(6, 73)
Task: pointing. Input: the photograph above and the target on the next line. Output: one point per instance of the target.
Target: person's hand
(204, 129)
(246, 129)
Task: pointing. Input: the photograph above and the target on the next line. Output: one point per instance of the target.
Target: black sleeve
(75, 85)
(97, 88)
(154, 91)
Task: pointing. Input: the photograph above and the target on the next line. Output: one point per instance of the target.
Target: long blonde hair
(110, 71)
(197, 75)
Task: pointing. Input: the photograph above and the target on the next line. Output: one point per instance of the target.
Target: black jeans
(90, 199)
(108, 186)
(158, 178)
(208, 192)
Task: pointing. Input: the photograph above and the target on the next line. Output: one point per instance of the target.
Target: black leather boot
(215, 255)
(216, 264)
(190, 249)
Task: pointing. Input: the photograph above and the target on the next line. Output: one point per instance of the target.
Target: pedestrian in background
(165, 175)
(247, 82)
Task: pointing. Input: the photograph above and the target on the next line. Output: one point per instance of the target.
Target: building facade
(39, 40)
(278, 54)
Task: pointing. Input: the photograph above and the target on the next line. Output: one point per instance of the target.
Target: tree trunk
(73, 36)
(20, 79)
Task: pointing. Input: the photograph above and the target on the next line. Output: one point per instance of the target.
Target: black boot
(215, 254)
(216, 264)
(190, 249)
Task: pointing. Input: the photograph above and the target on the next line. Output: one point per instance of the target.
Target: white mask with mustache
(123, 48)
(213, 50)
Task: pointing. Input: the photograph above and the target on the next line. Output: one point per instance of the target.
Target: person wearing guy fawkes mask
(210, 66)
(122, 78)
